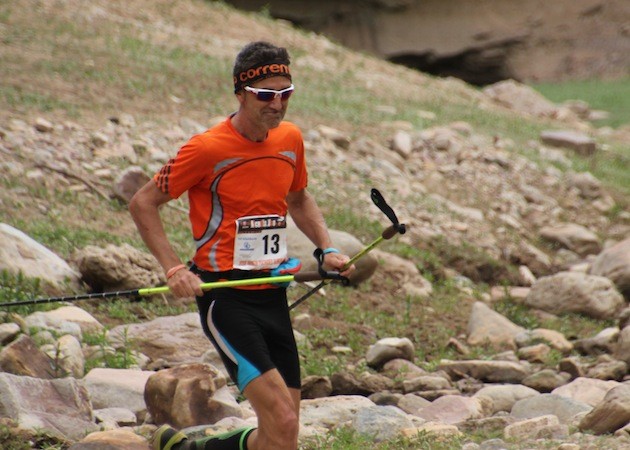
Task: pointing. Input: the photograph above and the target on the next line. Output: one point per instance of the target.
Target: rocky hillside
(502, 309)
(480, 42)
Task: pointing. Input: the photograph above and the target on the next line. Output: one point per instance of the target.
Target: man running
(242, 178)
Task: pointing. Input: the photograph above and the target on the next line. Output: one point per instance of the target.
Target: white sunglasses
(267, 95)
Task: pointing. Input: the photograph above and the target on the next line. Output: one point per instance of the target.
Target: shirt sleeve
(185, 170)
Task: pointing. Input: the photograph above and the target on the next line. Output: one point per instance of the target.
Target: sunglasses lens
(286, 95)
(265, 96)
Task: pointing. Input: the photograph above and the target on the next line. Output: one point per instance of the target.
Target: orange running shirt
(229, 177)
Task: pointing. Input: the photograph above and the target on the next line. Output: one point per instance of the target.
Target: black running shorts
(251, 330)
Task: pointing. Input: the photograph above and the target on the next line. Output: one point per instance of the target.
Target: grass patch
(21, 98)
(344, 438)
(13, 437)
(572, 326)
(608, 95)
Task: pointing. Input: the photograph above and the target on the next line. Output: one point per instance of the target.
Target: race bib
(260, 242)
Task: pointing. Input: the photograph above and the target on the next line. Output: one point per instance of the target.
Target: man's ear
(240, 96)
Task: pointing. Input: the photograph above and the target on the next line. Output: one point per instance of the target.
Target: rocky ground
(489, 216)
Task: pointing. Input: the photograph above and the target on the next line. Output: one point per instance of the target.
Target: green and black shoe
(167, 438)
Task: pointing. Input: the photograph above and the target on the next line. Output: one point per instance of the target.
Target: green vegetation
(570, 325)
(347, 439)
(14, 288)
(87, 73)
(612, 96)
(106, 356)
(14, 438)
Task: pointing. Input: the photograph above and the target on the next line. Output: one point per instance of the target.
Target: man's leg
(278, 410)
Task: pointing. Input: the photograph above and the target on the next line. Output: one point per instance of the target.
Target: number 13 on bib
(260, 242)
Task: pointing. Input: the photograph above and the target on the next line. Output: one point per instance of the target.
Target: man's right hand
(184, 283)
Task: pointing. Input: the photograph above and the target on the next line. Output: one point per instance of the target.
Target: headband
(257, 73)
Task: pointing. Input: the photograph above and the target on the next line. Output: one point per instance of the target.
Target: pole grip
(307, 276)
(392, 230)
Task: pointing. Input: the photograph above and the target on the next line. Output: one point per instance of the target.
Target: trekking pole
(144, 292)
(388, 233)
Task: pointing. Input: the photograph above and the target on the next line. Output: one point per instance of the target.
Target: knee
(286, 422)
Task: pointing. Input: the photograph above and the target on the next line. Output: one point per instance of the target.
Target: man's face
(265, 114)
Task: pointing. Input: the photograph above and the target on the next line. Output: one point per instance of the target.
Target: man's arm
(310, 220)
(144, 208)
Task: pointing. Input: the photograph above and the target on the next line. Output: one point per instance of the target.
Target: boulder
(188, 395)
(21, 254)
(579, 142)
(171, 339)
(488, 327)
(302, 248)
(329, 412)
(612, 413)
(574, 237)
(60, 407)
(452, 409)
(118, 268)
(381, 422)
(564, 408)
(488, 371)
(118, 388)
(574, 292)
(504, 396)
(614, 264)
(122, 439)
(586, 390)
(403, 273)
(388, 349)
(22, 357)
(129, 182)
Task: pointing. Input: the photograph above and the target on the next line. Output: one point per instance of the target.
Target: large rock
(388, 349)
(488, 371)
(118, 268)
(554, 339)
(504, 396)
(68, 356)
(452, 409)
(23, 357)
(129, 182)
(64, 320)
(574, 237)
(403, 273)
(302, 248)
(118, 388)
(532, 428)
(21, 254)
(623, 345)
(603, 342)
(488, 327)
(123, 439)
(346, 383)
(60, 407)
(580, 143)
(329, 412)
(188, 395)
(381, 422)
(586, 390)
(520, 97)
(612, 413)
(588, 186)
(614, 264)
(541, 405)
(574, 292)
(172, 339)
